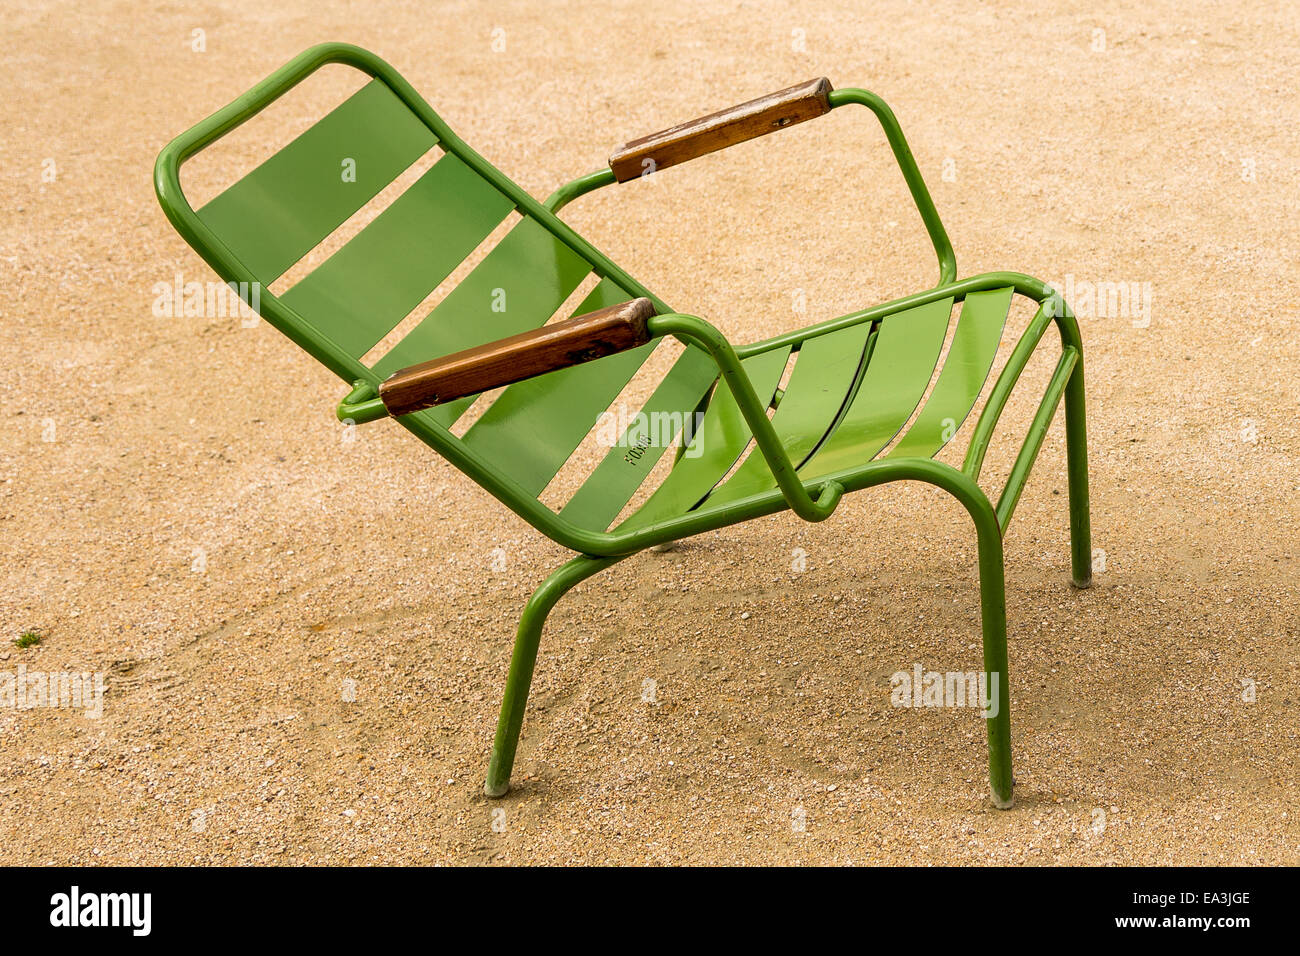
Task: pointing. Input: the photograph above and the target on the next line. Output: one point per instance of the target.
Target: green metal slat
(824, 371)
(517, 287)
(282, 209)
(902, 362)
(362, 291)
(533, 428)
(722, 438)
(625, 468)
(965, 369)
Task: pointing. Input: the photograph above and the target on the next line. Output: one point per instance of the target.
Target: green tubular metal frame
(813, 499)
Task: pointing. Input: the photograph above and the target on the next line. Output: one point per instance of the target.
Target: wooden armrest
(594, 335)
(719, 130)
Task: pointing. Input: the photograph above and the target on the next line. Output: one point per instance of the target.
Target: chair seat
(849, 395)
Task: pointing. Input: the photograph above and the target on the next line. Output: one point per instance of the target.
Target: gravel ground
(179, 513)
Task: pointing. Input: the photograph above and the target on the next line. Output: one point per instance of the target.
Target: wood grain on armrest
(509, 360)
(719, 130)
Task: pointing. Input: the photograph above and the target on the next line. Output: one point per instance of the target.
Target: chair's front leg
(993, 620)
(993, 617)
(523, 660)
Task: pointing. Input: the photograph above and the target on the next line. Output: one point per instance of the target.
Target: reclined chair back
(259, 227)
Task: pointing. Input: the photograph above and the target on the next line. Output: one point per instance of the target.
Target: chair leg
(1076, 451)
(993, 619)
(523, 660)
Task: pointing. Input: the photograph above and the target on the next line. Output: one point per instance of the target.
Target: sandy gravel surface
(179, 513)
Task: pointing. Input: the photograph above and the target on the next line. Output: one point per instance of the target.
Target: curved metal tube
(692, 329)
(579, 187)
(523, 660)
(915, 182)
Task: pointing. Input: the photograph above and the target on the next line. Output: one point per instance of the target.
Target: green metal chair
(856, 381)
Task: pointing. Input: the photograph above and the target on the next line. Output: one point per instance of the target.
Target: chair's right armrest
(594, 335)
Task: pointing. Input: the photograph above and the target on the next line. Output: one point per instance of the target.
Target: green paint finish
(965, 369)
(616, 479)
(722, 438)
(522, 661)
(266, 221)
(281, 210)
(824, 372)
(517, 287)
(361, 292)
(902, 362)
(1015, 483)
(533, 427)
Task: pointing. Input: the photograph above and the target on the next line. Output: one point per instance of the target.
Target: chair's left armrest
(594, 335)
(719, 130)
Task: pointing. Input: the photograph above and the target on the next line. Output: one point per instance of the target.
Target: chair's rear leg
(523, 660)
(993, 619)
(1076, 462)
